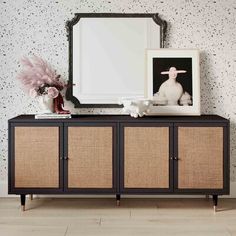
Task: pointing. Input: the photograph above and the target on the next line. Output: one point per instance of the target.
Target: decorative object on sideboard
(45, 103)
(135, 106)
(52, 116)
(42, 82)
(173, 81)
(114, 53)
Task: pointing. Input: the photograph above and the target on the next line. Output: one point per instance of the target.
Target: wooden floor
(73, 217)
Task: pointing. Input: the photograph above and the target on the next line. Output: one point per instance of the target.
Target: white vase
(45, 104)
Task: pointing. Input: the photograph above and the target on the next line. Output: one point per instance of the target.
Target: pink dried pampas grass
(37, 76)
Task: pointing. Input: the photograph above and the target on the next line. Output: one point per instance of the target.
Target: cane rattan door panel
(36, 157)
(146, 157)
(200, 157)
(90, 155)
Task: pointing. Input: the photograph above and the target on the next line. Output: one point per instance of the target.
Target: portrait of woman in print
(172, 82)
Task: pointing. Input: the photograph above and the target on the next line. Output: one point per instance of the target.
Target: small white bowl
(135, 106)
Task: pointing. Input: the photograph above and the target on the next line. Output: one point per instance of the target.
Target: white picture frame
(173, 81)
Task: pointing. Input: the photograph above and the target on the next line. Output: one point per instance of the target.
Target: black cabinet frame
(118, 123)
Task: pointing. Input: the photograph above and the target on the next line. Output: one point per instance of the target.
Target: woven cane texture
(200, 164)
(90, 157)
(146, 157)
(36, 157)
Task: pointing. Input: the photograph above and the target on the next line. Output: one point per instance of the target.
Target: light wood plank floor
(73, 217)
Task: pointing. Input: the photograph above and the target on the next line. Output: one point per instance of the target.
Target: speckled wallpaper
(38, 27)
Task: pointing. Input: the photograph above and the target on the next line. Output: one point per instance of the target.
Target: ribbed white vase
(45, 104)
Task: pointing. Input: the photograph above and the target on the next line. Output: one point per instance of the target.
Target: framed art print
(173, 81)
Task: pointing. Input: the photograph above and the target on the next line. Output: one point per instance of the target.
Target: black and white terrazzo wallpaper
(38, 27)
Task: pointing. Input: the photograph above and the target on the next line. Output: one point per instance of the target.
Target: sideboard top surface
(122, 118)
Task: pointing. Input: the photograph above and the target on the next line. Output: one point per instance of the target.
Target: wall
(38, 27)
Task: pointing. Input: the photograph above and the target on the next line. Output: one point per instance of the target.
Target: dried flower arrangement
(40, 79)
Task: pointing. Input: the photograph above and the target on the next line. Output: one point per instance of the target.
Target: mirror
(107, 56)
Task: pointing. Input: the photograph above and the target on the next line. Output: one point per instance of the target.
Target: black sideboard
(90, 154)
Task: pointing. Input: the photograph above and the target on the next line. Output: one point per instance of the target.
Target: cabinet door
(146, 153)
(201, 153)
(35, 159)
(90, 164)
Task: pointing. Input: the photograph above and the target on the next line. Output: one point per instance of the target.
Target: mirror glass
(108, 57)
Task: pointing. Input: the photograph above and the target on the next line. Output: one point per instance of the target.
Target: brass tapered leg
(215, 209)
(22, 200)
(215, 202)
(118, 199)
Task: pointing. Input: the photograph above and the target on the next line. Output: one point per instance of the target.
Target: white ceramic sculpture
(135, 106)
(171, 92)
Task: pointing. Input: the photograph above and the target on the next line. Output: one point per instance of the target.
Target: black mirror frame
(75, 20)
